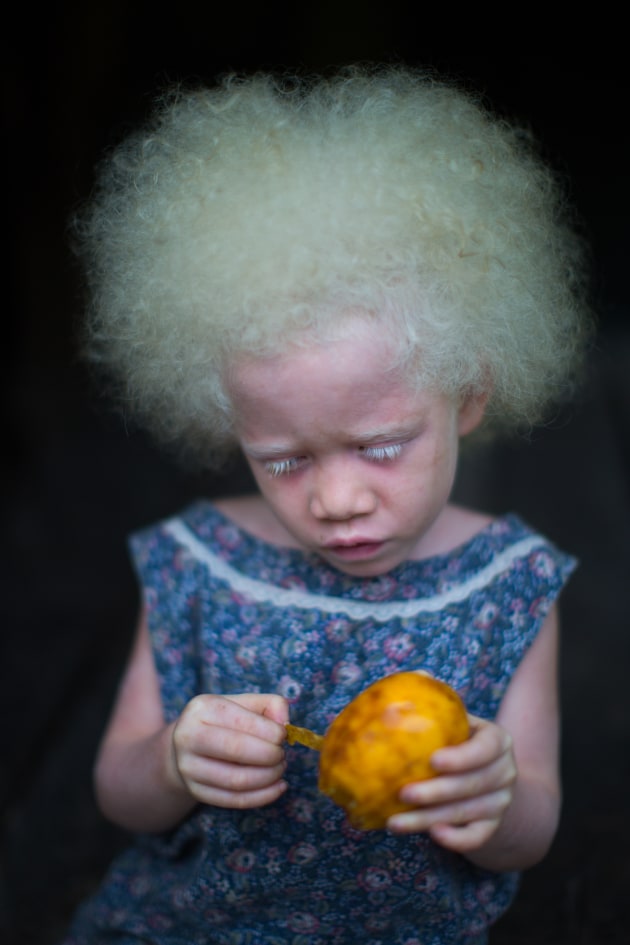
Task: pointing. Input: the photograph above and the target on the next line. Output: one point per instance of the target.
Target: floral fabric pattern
(229, 613)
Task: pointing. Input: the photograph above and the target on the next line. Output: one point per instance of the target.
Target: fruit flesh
(383, 740)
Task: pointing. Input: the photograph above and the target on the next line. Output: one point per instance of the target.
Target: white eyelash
(382, 453)
(280, 467)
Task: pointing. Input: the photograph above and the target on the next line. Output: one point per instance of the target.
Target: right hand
(228, 751)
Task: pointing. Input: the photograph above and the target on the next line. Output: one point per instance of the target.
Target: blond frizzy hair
(266, 212)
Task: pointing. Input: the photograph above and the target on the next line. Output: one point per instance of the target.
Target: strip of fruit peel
(303, 736)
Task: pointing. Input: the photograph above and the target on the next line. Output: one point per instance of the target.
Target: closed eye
(382, 454)
(282, 467)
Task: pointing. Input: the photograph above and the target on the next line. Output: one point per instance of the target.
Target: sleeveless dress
(229, 613)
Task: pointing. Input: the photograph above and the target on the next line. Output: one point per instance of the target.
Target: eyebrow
(386, 435)
(377, 435)
(268, 452)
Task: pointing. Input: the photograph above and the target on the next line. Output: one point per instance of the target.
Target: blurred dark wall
(75, 482)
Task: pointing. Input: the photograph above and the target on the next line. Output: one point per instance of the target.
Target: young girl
(342, 278)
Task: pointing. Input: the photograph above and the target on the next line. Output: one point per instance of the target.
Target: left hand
(464, 806)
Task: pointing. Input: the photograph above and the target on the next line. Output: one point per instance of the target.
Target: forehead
(351, 386)
(360, 357)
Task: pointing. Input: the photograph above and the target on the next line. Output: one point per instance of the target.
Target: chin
(362, 569)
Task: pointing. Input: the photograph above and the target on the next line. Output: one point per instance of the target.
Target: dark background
(75, 481)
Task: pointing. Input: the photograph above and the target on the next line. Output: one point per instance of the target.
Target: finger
(487, 742)
(446, 788)
(466, 838)
(232, 778)
(489, 807)
(219, 797)
(266, 705)
(212, 741)
(242, 713)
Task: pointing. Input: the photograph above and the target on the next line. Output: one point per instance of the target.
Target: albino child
(340, 278)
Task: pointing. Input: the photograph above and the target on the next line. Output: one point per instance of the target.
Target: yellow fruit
(383, 740)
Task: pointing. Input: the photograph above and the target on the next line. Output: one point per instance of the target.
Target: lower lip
(355, 552)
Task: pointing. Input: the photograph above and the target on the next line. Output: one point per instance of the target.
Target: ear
(471, 411)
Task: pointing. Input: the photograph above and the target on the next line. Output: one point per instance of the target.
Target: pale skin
(354, 465)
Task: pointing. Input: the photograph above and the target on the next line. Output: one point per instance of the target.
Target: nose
(338, 493)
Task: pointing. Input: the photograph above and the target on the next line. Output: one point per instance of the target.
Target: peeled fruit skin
(383, 740)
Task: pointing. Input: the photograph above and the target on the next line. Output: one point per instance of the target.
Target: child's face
(355, 465)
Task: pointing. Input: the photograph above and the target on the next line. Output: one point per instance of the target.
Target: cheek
(435, 455)
(444, 469)
(446, 457)
(272, 490)
(433, 471)
(446, 446)
(282, 494)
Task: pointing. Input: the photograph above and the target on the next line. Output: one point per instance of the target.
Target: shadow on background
(75, 482)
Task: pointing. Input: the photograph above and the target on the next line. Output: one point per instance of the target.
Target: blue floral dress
(229, 613)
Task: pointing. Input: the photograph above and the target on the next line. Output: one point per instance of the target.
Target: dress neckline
(292, 567)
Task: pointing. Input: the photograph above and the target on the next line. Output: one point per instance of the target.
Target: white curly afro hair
(264, 211)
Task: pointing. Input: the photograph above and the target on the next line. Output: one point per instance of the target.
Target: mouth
(353, 550)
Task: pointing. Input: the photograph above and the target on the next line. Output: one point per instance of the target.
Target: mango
(383, 740)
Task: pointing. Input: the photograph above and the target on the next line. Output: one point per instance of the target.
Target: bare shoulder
(253, 515)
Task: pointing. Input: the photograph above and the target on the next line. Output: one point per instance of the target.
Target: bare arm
(223, 750)
(498, 798)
